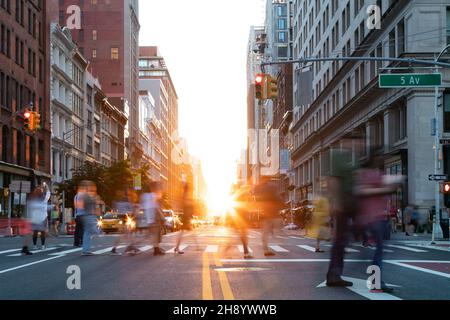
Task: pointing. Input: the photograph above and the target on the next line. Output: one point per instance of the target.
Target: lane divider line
(223, 279)
(207, 293)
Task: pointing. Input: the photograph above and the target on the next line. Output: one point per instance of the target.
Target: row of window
(14, 94)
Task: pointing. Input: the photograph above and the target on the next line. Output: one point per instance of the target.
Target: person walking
(373, 190)
(320, 226)
(37, 210)
(124, 207)
(89, 202)
(151, 205)
(78, 235)
(186, 218)
(270, 203)
(55, 220)
(342, 203)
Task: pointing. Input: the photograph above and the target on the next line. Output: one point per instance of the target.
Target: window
(282, 24)
(94, 53)
(114, 53)
(282, 37)
(94, 35)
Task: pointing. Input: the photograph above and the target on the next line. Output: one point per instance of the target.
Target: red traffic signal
(259, 79)
(27, 115)
(447, 187)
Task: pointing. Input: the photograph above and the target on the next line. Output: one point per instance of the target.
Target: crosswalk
(55, 251)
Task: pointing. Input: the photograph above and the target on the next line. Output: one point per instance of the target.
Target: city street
(213, 268)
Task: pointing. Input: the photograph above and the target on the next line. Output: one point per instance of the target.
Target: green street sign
(410, 80)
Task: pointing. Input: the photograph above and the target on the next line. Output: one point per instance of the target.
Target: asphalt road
(213, 268)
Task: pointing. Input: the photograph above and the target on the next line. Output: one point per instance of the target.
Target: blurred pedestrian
(151, 205)
(270, 203)
(55, 220)
(320, 224)
(90, 205)
(415, 220)
(186, 218)
(78, 235)
(124, 207)
(373, 190)
(342, 205)
(37, 211)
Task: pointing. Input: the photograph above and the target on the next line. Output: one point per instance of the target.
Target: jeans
(378, 230)
(78, 236)
(341, 226)
(90, 229)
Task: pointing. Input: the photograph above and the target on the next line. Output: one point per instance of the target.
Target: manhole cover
(242, 269)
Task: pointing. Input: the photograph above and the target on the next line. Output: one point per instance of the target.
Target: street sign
(445, 142)
(410, 80)
(437, 177)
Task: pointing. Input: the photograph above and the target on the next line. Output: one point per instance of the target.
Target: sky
(204, 43)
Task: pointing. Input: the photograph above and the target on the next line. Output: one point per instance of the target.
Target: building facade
(25, 156)
(155, 78)
(108, 38)
(339, 98)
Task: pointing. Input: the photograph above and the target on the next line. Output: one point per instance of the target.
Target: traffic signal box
(36, 119)
(266, 87)
(259, 87)
(27, 119)
(271, 87)
(446, 191)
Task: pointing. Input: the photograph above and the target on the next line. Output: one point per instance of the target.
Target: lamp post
(437, 230)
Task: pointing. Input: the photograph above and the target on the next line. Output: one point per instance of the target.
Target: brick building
(24, 75)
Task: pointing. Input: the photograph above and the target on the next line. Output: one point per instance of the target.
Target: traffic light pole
(437, 230)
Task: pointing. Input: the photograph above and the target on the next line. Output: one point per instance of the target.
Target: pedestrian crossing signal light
(272, 87)
(260, 87)
(447, 187)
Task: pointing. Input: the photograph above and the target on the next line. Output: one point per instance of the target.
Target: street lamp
(437, 230)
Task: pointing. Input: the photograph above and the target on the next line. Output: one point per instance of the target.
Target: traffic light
(271, 87)
(447, 187)
(27, 120)
(36, 120)
(260, 87)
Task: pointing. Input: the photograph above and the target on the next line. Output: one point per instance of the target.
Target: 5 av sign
(410, 80)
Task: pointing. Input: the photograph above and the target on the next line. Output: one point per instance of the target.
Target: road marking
(9, 251)
(106, 250)
(34, 252)
(360, 287)
(278, 249)
(288, 260)
(403, 264)
(206, 279)
(224, 283)
(146, 248)
(373, 249)
(406, 248)
(62, 253)
(241, 249)
(308, 248)
(349, 250)
(182, 247)
(429, 247)
(29, 264)
(298, 238)
(212, 249)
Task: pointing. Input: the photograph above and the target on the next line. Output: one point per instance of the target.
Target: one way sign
(437, 177)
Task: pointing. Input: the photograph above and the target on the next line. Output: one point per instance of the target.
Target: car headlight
(169, 219)
(99, 223)
(120, 222)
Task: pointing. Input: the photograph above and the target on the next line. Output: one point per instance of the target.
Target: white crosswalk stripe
(62, 253)
(146, 248)
(278, 249)
(349, 250)
(308, 248)
(373, 248)
(241, 249)
(212, 249)
(34, 252)
(10, 251)
(406, 248)
(103, 251)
